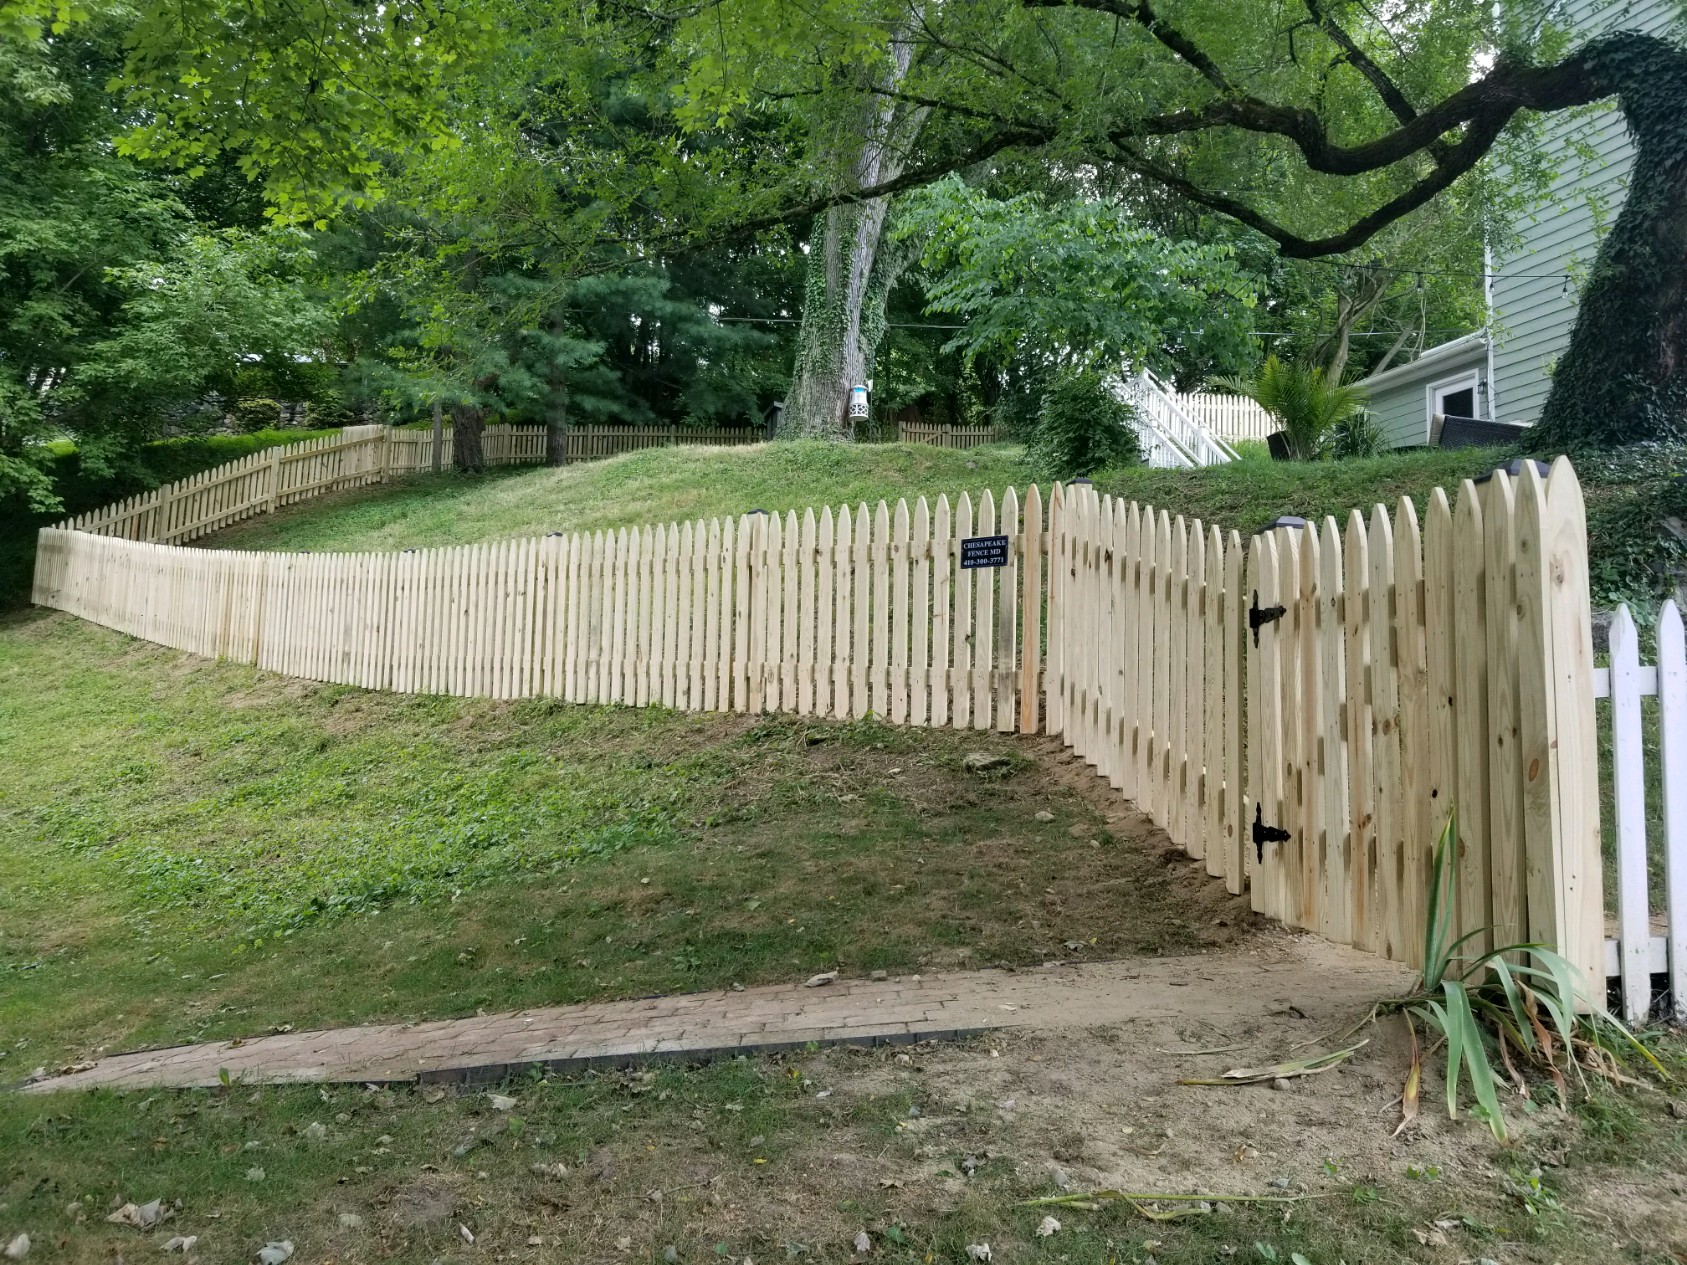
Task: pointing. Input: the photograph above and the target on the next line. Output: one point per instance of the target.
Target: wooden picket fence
(1650, 940)
(1395, 673)
(359, 455)
(840, 614)
(1301, 714)
(511, 445)
(943, 435)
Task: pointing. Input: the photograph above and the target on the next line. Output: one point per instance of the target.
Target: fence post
(274, 479)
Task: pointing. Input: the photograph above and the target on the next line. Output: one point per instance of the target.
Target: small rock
(1043, 815)
(914, 1112)
(821, 980)
(984, 762)
(18, 1248)
(862, 1243)
(1061, 1179)
(466, 1233)
(350, 1221)
(316, 1131)
(878, 977)
(535, 1240)
(254, 1174)
(904, 1060)
(277, 1253)
(1279, 1183)
(500, 1102)
(1281, 1082)
(557, 1170)
(978, 1251)
(969, 1165)
(670, 1254)
(1678, 1109)
(1048, 1226)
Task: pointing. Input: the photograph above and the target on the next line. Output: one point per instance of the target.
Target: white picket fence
(1230, 417)
(1649, 940)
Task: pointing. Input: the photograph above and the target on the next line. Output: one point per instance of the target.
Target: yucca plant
(1522, 999)
(1305, 402)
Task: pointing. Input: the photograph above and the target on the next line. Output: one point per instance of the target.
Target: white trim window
(1453, 397)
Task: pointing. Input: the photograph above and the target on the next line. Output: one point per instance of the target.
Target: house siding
(1399, 406)
(1590, 148)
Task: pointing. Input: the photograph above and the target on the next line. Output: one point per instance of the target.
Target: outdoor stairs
(1171, 439)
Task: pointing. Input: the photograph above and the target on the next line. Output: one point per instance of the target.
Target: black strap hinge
(1259, 616)
(1264, 834)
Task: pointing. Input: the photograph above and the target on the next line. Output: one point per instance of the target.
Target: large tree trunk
(850, 276)
(1624, 375)
(840, 329)
(468, 421)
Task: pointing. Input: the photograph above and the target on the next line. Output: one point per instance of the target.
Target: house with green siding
(1503, 373)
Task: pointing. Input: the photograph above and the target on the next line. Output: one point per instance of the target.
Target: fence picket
(1672, 754)
(1634, 929)
(959, 684)
(942, 595)
(1361, 780)
(1334, 757)
(899, 600)
(919, 622)
(1468, 632)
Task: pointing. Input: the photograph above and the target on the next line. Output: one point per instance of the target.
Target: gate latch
(1259, 616)
(1264, 834)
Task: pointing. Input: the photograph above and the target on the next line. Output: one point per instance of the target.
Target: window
(1454, 397)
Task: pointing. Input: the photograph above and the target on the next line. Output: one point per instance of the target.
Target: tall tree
(1366, 115)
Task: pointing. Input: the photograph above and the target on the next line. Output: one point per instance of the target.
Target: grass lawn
(657, 485)
(192, 851)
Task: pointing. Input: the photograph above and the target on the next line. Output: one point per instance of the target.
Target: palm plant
(1524, 999)
(1306, 404)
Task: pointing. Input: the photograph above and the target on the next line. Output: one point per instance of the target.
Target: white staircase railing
(1171, 438)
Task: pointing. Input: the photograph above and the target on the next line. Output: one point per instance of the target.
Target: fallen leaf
(500, 1102)
(978, 1251)
(143, 1217)
(18, 1248)
(1429, 1238)
(1048, 1226)
(277, 1253)
(863, 1244)
(468, 1234)
(180, 1243)
(818, 981)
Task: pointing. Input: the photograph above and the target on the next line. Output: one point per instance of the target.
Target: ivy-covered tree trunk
(1624, 375)
(850, 275)
(843, 320)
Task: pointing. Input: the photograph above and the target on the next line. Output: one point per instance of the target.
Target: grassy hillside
(661, 484)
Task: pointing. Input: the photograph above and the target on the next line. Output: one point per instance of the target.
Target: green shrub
(1357, 435)
(1081, 427)
(256, 414)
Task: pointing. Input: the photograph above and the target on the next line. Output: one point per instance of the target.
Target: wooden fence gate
(1302, 714)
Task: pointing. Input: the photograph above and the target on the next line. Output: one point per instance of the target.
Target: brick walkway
(697, 1026)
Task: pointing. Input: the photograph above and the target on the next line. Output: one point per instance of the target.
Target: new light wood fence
(359, 455)
(511, 445)
(1651, 928)
(1396, 672)
(1300, 714)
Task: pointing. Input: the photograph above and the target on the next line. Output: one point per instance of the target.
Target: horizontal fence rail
(1650, 940)
(1300, 710)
